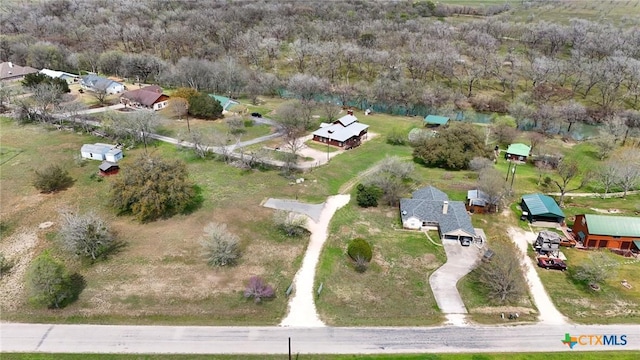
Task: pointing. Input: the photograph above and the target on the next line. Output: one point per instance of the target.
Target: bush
(220, 246)
(479, 163)
(5, 265)
(204, 106)
(86, 235)
(396, 137)
(368, 196)
(52, 178)
(597, 269)
(359, 248)
(258, 290)
(48, 282)
(289, 224)
(361, 264)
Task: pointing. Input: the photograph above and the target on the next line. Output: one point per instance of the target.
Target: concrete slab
(311, 210)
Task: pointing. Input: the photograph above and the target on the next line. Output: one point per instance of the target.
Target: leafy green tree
(52, 178)
(453, 147)
(360, 247)
(368, 196)
(221, 247)
(33, 80)
(85, 235)
(153, 188)
(48, 282)
(204, 106)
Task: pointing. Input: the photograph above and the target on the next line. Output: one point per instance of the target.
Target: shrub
(5, 265)
(597, 269)
(478, 163)
(396, 137)
(258, 290)
(359, 248)
(48, 282)
(361, 264)
(289, 224)
(86, 235)
(368, 196)
(52, 178)
(220, 246)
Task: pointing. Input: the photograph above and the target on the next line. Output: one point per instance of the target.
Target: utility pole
(508, 170)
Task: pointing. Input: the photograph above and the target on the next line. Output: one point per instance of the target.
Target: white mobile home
(101, 152)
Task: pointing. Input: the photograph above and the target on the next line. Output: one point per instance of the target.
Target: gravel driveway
(311, 210)
(460, 261)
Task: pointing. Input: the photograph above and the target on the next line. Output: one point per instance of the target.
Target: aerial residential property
(607, 231)
(345, 133)
(12, 72)
(148, 97)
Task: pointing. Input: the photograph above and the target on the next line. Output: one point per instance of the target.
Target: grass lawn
(395, 289)
(611, 305)
(577, 355)
(178, 128)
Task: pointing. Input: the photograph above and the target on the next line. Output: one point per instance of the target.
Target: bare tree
(502, 277)
(391, 176)
(568, 170)
(47, 97)
(627, 167)
(293, 125)
(491, 182)
(572, 112)
(631, 120)
(180, 107)
(607, 176)
(330, 111)
(604, 145)
(536, 140)
(200, 142)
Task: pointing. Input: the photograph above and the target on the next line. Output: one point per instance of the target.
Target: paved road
(327, 340)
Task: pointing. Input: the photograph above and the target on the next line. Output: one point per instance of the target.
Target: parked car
(549, 263)
(256, 114)
(568, 242)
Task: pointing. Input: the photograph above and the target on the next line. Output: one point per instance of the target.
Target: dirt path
(18, 249)
(548, 313)
(302, 307)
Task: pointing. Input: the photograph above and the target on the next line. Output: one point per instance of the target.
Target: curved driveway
(460, 261)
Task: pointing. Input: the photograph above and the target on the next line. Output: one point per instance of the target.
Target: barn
(539, 207)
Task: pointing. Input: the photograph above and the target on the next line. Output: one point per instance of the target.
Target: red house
(345, 133)
(603, 231)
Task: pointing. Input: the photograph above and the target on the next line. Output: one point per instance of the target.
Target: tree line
(395, 53)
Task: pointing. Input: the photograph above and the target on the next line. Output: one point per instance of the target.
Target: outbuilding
(100, 151)
(518, 152)
(108, 168)
(539, 207)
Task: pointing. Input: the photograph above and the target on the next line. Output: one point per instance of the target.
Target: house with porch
(345, 133)
(430, 209)
(518, 152)
(606, 231)
(541, 208)
(149, 97)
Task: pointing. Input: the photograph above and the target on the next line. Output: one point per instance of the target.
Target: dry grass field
(159, 275)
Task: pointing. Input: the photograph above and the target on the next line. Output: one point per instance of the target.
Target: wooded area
(412, 55)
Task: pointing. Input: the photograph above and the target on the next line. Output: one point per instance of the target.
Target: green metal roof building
(436, 120)
(606, 231)
(539, 207)
(518, 152)
(224, 101)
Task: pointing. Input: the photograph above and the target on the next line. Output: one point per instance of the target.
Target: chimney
(445, 207)
(350, 112)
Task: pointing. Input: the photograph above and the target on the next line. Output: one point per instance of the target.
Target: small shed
(479, 202)
(434, 120)
(108, 168)
(517, 152)
(539, 207)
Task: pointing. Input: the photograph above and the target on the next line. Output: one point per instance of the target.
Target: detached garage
(539, 207)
